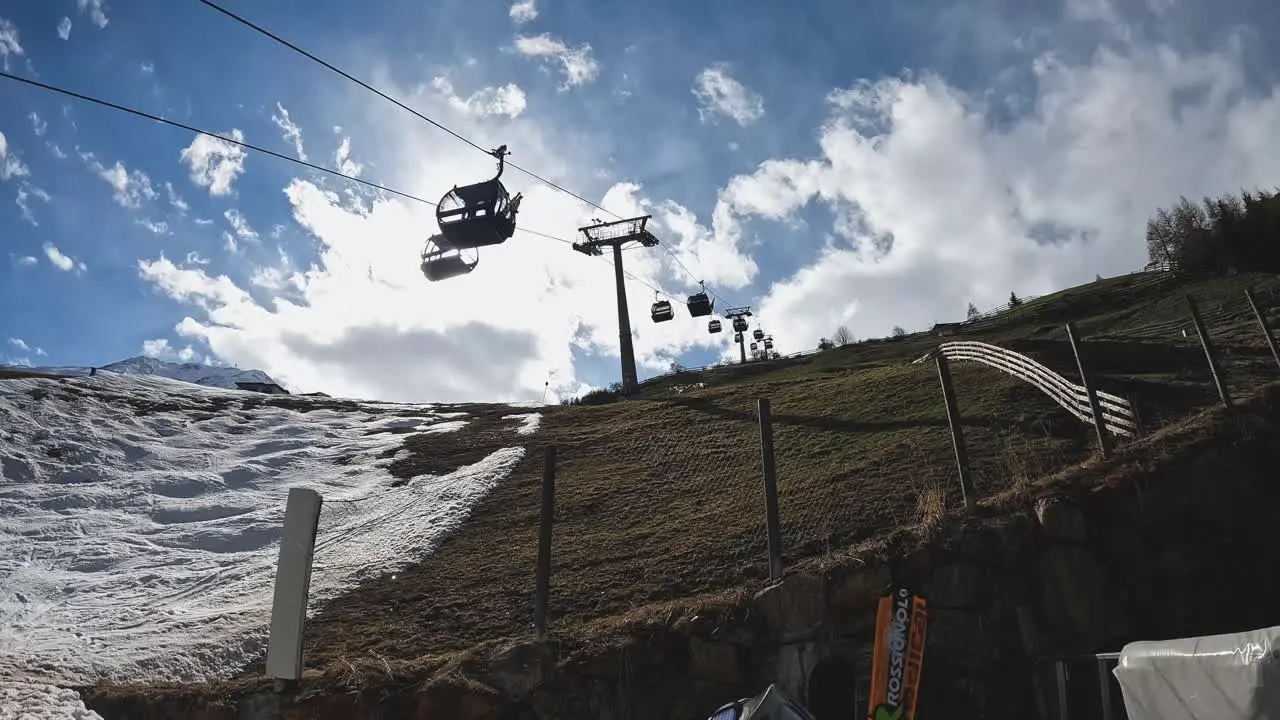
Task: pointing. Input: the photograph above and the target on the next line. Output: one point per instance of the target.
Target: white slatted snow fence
(1117, 413)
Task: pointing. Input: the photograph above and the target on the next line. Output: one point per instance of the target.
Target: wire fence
(648, 508)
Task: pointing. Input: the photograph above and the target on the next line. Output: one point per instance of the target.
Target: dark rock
(793, 609)
(715, 661)
(1062, 520)
(955, 585)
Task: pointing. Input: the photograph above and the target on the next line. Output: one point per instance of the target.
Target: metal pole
(543, 588)
(629, 377)
(1262, 322)
(957, 433)
(1210, 354)
(1095, 407)
(742, 348)
(1104, 689)
(772, 524)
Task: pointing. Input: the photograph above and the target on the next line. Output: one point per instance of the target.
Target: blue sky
(869, 164)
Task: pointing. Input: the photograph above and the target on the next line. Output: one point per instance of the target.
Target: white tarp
(1218, 677)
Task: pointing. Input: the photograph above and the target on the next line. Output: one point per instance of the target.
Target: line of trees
(1230, 233)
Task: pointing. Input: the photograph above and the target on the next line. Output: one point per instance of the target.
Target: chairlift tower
(618, 235)
(739, 317)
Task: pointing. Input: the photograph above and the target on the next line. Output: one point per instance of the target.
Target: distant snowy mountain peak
(195, 373)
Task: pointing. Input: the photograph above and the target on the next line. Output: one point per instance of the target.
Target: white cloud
(22, 346)
(507, 100)
(937, 204)
(240, 225)
(919, 199)
(27, 191)
(291, 131)
(9, 44)
(38, 125)
(578, 65)
(523, 11)
(718, 93)
(147, 68)
(63, 262)
(175, 199)
(194, 258)
(27, 261)
(158, 227)
(342, 158)
(160, 349)
(215, 163)
(131, 188)
(95, 9)
(64, 27)
(361, 320)
(10, 165)
(203, 221)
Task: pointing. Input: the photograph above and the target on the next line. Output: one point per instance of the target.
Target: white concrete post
(293, 578)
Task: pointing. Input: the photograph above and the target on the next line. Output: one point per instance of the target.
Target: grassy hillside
(659, 499)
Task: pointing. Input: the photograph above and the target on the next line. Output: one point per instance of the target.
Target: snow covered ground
(140, 520)
(219, 376)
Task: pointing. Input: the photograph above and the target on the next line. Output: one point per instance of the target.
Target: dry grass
(659, 511)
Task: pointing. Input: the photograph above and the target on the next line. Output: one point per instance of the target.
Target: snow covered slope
(195, 373)
(140, 518)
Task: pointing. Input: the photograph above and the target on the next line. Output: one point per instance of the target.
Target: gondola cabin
(699, 304)
(758, 334)
(768, 343)
(477, 215)
(740, 325)
(661, 311)
(713, 326)
(737, 337)
(753, 347)
(441, 263)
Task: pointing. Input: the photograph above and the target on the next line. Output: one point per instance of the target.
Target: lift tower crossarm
(617, 235)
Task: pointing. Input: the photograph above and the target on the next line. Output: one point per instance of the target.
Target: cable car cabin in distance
(740, 325)
(713, 326)
(737, 337)
(661, 311)
(470, 217)
(758, 334)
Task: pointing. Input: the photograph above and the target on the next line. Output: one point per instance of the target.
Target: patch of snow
(38, 701)
(140, 545)
(529, 422)
(446, 427)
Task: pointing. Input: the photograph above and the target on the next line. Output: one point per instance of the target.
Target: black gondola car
(737, 337)
(442, 263)
(740, 324)
(699, 304)
(713, 326)
(477, 215)
(768, 343)
(753, 347)
(661, 311)
(758, 334)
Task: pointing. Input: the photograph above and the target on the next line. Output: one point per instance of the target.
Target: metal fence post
(1095, 407)
(957, 433)
(772, 523)
(1210, 353)
(1262, 322)
(542, 592)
